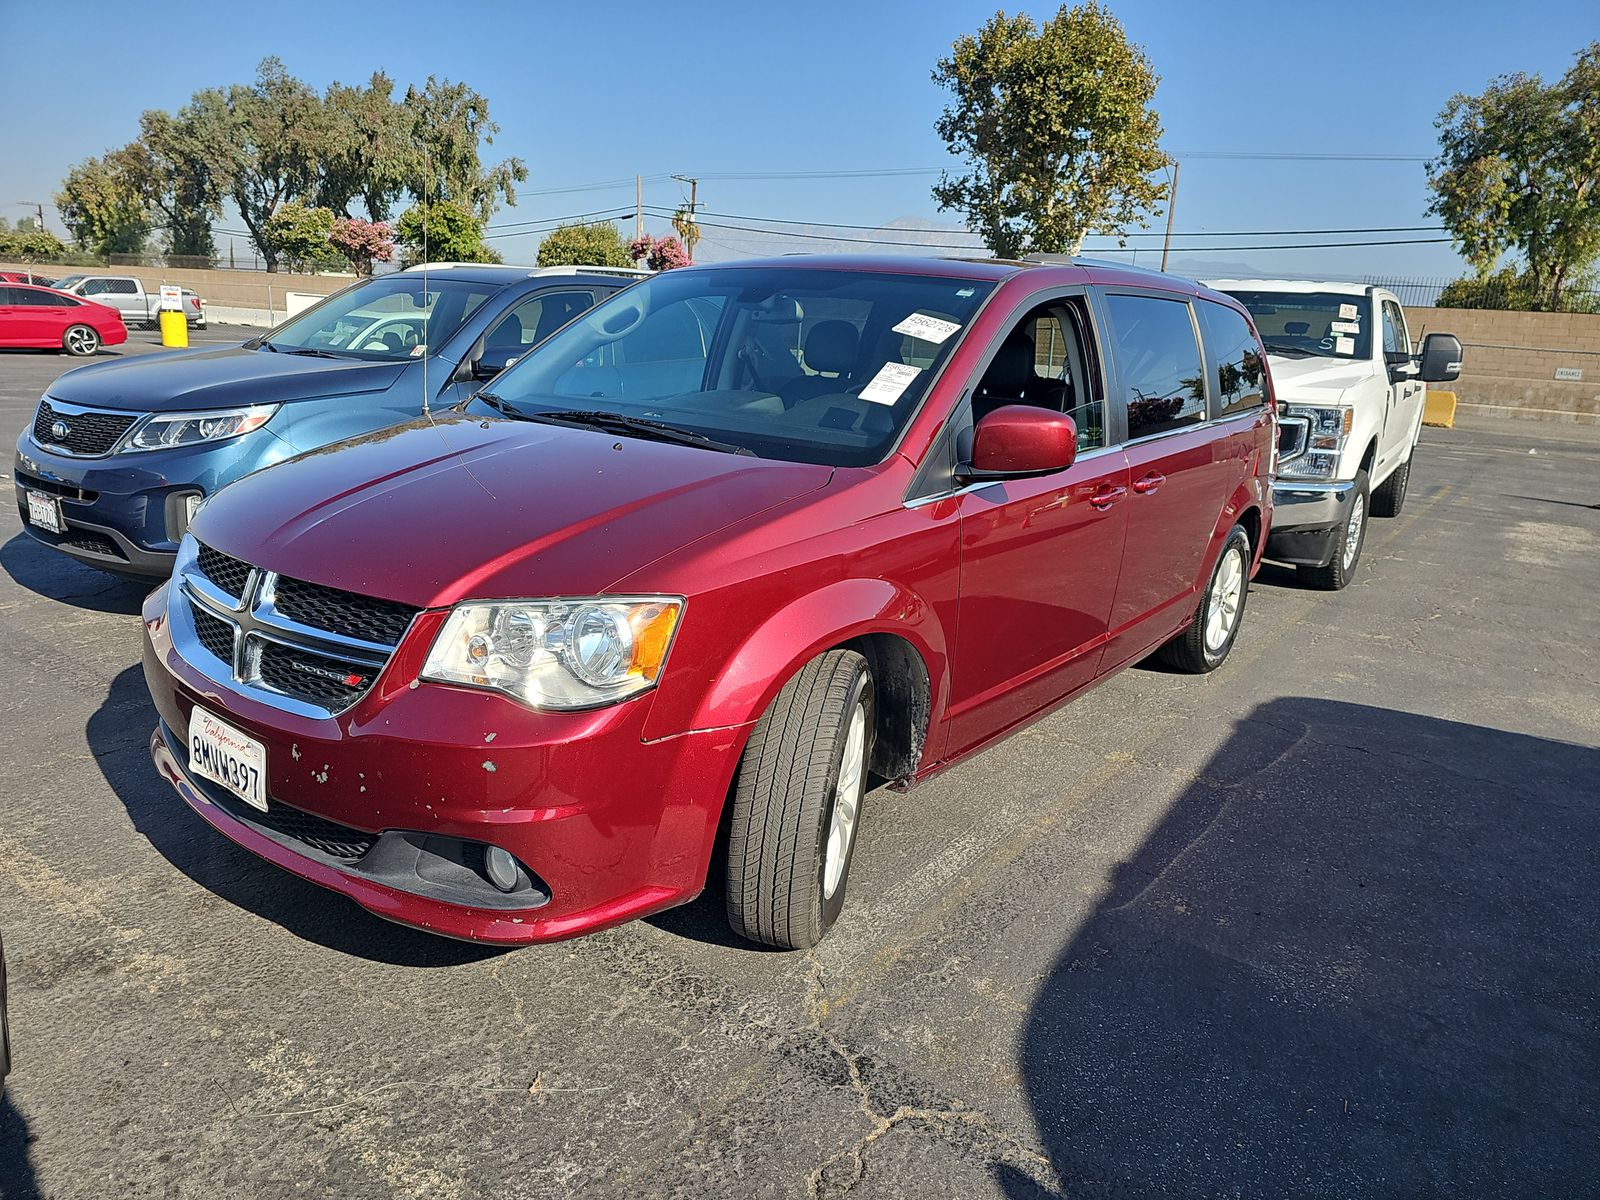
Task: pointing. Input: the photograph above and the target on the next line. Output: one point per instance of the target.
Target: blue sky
(591, 94)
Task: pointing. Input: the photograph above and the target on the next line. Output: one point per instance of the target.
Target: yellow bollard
(174, 329)
(1439, 408)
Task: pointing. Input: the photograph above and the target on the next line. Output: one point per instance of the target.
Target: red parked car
(743, 536)
(43, 319)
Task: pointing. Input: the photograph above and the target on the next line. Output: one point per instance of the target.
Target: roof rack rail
(590, 269)
(445, 266)
(1078, 260)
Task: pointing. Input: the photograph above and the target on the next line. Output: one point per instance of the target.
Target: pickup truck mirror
(1441, 358)
(1020, 439)
(1401, 364)
(495, 359)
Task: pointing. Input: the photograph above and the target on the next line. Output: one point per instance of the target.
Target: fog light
(501, 868)
(191, 505)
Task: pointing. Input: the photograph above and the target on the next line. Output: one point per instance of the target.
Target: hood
(429, 513)
(1293, 377)
(228, 377)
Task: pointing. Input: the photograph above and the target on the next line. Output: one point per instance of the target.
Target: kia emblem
(60, 430)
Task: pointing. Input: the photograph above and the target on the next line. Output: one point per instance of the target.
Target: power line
(661, 211)
(518, 225)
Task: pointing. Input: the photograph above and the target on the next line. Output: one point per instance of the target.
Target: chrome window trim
(68, 409)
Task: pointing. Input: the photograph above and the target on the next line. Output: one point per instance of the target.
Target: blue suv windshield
(393, 317)
(796, 363)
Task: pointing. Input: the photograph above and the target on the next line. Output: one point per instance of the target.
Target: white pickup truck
(1350, 394)
(127, 294)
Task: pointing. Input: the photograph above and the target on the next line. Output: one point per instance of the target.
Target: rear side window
(1237, 358)
(1162, 380)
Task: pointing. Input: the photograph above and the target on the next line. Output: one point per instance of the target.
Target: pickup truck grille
(87, 432)
(318, 647)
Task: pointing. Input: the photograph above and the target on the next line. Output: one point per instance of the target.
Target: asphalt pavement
(1320, 924)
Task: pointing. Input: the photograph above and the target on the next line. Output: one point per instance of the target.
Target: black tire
(1390, 497)
(784, 802)
(1348, 541)
(1195, 651)
(81, 341)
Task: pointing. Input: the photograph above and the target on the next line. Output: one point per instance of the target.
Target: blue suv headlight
(165, 430)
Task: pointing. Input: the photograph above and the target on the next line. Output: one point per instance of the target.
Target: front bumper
(1305, 519)
(125, 513)
(609, 826)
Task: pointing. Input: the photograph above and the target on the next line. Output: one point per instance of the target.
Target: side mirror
(1441, 358)
(1401, 365)
(1018, 440)
(493, 360)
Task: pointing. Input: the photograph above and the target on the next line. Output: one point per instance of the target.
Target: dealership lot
(1321, 923)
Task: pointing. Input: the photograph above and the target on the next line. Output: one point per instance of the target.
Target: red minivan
(732, 546)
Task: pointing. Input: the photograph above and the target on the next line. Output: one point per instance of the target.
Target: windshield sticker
(1345, 326)
(927, 329)
(965, 292)
(1344, 345)
(890, 381)
(1348, 312)
(418, 351)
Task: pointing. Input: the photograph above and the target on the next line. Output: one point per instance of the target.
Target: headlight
(557, 653)
(188, 429)
(1330, 425)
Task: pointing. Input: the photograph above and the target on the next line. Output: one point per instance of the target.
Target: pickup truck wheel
(1390, 497)
(1347, 542)
(1205, 643)
(797, 804)
(80, 341)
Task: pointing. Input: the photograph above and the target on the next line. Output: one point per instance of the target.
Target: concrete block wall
(1512, 359)
(247, 297)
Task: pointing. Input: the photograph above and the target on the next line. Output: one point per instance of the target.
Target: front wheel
(1202, 647)
(80, 341)
(797, 804)
(1348, 539)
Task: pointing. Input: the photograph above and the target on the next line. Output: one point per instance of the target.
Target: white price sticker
(1348, 312)
(1344, 345)
(1346, 326)
(927, 329)
(890, 381)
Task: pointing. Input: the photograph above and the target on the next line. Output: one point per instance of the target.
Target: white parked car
(1350, 395)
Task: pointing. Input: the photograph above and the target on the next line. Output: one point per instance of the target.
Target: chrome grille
(302, 646)
(82, 431)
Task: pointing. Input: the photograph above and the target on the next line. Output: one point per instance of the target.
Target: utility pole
(37, 207)
(694, 201)
(638, 207)
(1172, 203)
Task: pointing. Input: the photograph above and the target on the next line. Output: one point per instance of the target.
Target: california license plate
(45, 512)
(222, 754)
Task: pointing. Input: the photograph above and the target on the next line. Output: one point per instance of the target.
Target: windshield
(1325, 324)
(819, 366)
(388, 318)
(67, 281)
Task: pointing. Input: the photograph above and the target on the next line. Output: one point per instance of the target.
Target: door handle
(1104, 496)
(1148, 483)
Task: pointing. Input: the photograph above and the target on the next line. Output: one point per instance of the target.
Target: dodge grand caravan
(743, 536)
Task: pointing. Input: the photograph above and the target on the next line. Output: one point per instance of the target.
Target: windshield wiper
(263, 344)
(615, 422)
(505, 408)
(1300, 350)
(311, 352)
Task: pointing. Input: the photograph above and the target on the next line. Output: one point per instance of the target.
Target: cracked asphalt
(1321, 924)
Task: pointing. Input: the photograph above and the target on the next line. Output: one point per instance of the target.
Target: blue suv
(121, 453)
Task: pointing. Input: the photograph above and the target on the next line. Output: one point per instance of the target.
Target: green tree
(598, 244)
(26, 242)
(173, 164)
(443, 231)
(103, 205)
(1519, 171)
(450, 121)
(370, 153)
(299, 233)
(1055, 125)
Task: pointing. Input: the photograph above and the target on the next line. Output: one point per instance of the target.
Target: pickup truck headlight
(1329, 426)
(563, 654)
(187, 429)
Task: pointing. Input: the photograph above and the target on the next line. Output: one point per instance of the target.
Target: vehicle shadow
(17, 1179)
(1357, 957)
(118, 734)
(53, 575)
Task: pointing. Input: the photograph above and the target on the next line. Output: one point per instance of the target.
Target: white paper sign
(1346, 326)
(1570, 374)
(925, 328)
(1344, 345)
(1348, 312)
(890, 381)
(171, 297)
